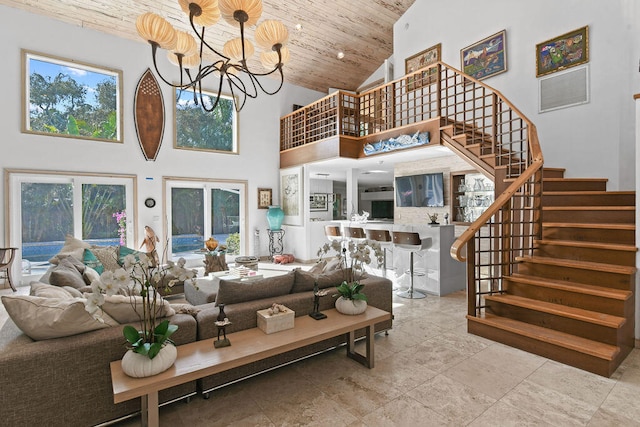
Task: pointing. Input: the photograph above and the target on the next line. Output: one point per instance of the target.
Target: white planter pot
(347, 306)
(139, 366)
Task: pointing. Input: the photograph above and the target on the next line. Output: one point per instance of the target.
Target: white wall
(592, 140)
(258, 162)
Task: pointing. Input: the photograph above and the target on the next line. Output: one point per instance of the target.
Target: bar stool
(384, 238)
(333, 233)
(354, 234)
(411, 242)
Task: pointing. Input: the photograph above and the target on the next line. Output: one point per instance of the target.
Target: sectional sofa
(65, 381)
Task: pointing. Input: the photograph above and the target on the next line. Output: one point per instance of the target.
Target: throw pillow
(90, 275)
(39, 289)
(72, 246)
(318, 267)
(333, 278)
(235, 291)
(332, 265)
(124, 251)
(125, 309)
(108, 256)
(91, 260)
(304, 281)
(185, 309)
(45, 318)
(66, 274)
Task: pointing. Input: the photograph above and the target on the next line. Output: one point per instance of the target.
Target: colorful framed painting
(291, 195)
(67, 98)
(264, 198)
(486, 58)
(421, 60)
(199, 129)
(562, 52)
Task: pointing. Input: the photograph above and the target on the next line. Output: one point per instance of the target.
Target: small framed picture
(318, 202)
(485, 58)
(264, 198)
(562, 52)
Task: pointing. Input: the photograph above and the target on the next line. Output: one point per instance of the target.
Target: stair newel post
(472, 287)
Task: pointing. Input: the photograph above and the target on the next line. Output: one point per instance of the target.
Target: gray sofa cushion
(233, 292)
(305, 280)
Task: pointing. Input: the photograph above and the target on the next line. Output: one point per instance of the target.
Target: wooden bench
(200, 359)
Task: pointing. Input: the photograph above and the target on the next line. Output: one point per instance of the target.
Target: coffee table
(200, 359)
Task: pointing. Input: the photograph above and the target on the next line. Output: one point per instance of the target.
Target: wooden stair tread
(560, 339)
(591, 245)
(575, 313)
(610, 293)
(575, 179)
(586, 193)
(589, 208)
(603, 226)
(584, 265)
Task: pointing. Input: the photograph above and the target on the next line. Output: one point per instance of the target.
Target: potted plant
(353, 257)
(150, 349)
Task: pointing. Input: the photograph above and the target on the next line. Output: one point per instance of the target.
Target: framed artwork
(562, 52)
(485, 58)
(291, 195)
(318, 202)
(264, 198)
(198, 129)
(67, 98)
(421, 60)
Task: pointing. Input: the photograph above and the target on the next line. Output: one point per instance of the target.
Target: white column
(352, 192)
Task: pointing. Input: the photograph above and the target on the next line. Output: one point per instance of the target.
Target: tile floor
(429, 372)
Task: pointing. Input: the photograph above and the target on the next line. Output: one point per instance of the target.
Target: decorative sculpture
(149, 242)
(221, 323)
(317, 294)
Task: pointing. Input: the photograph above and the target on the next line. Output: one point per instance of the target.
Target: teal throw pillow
(124, 251)
(90, 260)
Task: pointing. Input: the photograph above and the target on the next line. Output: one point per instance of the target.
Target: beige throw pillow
(108, 256)
(44, 318)
(72, 246)
(40, 289)
(128, 309)
(66, 274)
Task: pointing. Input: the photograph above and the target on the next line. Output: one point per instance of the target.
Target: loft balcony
(342, 123)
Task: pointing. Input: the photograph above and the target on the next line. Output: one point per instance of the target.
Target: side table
(276, 247)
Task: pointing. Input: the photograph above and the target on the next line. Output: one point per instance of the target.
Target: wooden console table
(200, 359)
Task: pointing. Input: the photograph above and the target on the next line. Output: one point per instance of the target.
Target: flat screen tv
(420, 190)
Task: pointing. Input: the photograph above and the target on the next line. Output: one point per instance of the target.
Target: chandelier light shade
(197, 60)
(271, 33)
(155, 29)
(231, 10)
(208, 15)
(233, 49)
(270, 59)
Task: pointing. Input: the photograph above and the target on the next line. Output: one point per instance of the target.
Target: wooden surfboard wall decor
(148, 108)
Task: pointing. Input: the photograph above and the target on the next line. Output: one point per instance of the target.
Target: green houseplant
(353, 257)
(150, 349)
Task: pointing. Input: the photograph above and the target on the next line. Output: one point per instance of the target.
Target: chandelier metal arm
(202, 40)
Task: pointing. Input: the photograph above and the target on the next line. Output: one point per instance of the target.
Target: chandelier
(231, 65)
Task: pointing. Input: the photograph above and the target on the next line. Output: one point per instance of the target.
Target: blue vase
(275, 216)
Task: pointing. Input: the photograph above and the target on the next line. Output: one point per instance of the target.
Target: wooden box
(276, 322)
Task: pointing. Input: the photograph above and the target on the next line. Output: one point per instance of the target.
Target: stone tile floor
(429, 372)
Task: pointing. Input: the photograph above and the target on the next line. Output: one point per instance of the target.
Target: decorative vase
(275, 216)
(351, 307)
(139, 366)
(211, 244)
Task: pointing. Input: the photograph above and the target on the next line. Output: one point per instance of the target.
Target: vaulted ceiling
(361, 29)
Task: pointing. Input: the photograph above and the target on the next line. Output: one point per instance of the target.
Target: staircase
(572, 300)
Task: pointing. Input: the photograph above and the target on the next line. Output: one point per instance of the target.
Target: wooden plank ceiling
(362, 29)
